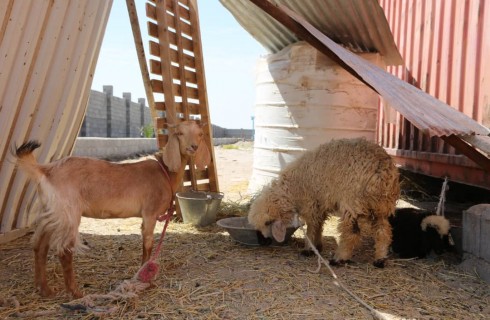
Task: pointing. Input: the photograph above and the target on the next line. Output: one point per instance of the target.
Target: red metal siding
(443, 45)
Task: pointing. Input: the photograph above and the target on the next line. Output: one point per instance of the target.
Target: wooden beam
(203, 96)
(469, 151)
(163, 39)
(140, 52)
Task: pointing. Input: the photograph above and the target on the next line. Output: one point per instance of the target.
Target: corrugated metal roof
(48, 52)
(428, 114)
(360, 26)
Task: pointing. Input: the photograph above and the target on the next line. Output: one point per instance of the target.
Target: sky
(230, 58)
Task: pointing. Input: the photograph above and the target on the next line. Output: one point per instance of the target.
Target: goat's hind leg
(66, 260)
(41, 248)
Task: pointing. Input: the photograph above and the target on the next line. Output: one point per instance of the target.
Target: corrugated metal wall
(444, 45)
(48, 53)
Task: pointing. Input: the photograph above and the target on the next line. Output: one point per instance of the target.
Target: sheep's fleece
(352, 178)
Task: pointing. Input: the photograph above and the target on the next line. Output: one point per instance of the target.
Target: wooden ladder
(177, 88)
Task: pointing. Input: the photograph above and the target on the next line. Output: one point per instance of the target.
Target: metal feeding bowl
(199, 208)
(242, 232)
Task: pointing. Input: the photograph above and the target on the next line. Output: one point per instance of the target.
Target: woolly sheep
(352, 178)
(416, 233)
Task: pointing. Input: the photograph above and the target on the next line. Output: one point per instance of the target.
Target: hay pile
(206, 275)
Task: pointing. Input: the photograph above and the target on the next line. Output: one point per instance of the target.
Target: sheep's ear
(171, 153)
(278, 231)
(202, 156)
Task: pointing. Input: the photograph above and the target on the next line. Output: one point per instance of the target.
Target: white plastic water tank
(304, 99)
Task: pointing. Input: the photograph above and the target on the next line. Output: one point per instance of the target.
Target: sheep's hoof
(307, 253)
(379, 263)
(263, 241)
(334, 262)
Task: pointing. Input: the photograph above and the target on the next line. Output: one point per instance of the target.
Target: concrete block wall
(114, 117)
(244, 134)
(106, 148)
(95, 122)
(120, 148)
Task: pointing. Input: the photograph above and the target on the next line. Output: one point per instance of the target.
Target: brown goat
(73, 187)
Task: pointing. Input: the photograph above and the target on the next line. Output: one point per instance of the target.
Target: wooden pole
(140, 52)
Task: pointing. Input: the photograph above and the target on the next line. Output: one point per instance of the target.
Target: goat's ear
(171, 153)
(278, 231)
(202, 156)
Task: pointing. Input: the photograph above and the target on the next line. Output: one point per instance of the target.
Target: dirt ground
(204, 274)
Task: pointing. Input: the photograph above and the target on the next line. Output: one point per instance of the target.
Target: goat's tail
(26, 160)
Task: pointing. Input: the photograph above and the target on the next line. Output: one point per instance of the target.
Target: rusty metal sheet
(430, 115)
(360, 26)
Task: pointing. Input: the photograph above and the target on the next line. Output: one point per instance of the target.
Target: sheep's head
(437, 233)
(186, 139)
(271, 213)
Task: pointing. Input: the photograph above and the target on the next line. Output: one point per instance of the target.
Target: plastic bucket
(199, 208)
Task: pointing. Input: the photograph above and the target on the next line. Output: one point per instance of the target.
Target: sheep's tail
(26, 160)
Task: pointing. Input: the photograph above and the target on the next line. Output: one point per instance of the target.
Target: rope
(442, 199)
(128, 288)
(374, 312)
(440, 207)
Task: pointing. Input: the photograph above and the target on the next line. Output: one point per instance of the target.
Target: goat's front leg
(41, 248)
(66, 260)
(147, 228)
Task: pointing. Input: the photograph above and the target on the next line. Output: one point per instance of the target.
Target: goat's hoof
(77, 294)
(46, 292)
(379, 263)
(341, 262)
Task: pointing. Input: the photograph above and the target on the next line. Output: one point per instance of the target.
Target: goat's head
(186, 139)
(271, 213)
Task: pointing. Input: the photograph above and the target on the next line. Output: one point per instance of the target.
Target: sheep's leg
(147, 228)
(66, 260)
(350, 238)
(382, 239)
(41, 248)
(314, 233)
